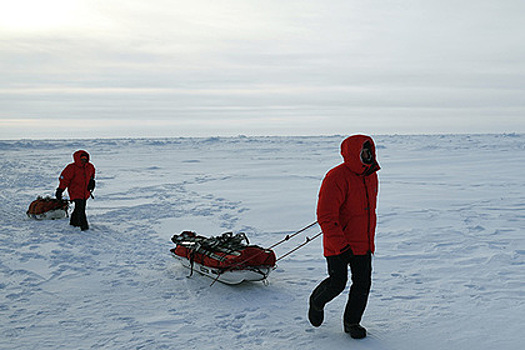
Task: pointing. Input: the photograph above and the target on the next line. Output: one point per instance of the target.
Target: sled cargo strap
(192, 259)
(288, 237)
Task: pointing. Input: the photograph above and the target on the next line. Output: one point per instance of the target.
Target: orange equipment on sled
(47, 208)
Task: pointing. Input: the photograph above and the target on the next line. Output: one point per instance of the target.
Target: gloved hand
(58, 194)
(91, 184)
(346, 254)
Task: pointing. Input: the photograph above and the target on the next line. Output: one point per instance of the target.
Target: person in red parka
(346, 212)
(79, 179)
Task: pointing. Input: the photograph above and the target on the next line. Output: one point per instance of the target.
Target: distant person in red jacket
(79, 179)
(346, 212)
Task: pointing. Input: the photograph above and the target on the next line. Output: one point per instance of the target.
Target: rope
(308, 240)
(288, 237)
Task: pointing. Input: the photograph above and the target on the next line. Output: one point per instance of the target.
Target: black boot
(315, 314)
(74, 221)
(355, 331)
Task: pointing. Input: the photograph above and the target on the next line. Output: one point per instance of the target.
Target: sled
(47, 208)
(228, 258)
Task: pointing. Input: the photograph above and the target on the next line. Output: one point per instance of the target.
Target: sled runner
(227, 258)
(47, 208)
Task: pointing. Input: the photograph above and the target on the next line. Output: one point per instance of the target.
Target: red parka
(75, 177)
(346, 208)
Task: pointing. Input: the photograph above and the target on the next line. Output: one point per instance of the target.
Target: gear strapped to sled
(227, 258)
(47, 208)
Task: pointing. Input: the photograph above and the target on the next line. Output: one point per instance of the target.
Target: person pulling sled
(346, 212)
(79, 180)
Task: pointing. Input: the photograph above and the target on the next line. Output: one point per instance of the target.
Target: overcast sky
(130, 68)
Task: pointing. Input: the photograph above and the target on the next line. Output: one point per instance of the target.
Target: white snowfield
(449, 269)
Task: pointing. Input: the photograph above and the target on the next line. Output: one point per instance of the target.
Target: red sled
(47, 208)
(227, 258)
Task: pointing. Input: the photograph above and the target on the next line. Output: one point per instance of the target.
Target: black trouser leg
(74, 219)
(361, 267)
(78, 217)
(333, 285)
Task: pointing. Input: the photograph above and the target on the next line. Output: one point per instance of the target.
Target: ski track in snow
(448, 271)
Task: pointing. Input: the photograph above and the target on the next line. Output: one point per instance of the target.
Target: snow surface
(448, 271)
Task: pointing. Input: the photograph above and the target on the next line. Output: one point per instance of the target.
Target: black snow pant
(78, 217)
(361, 268)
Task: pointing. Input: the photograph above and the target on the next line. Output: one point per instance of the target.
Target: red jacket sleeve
(92, 170)
(65, 177)
(331, 198)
